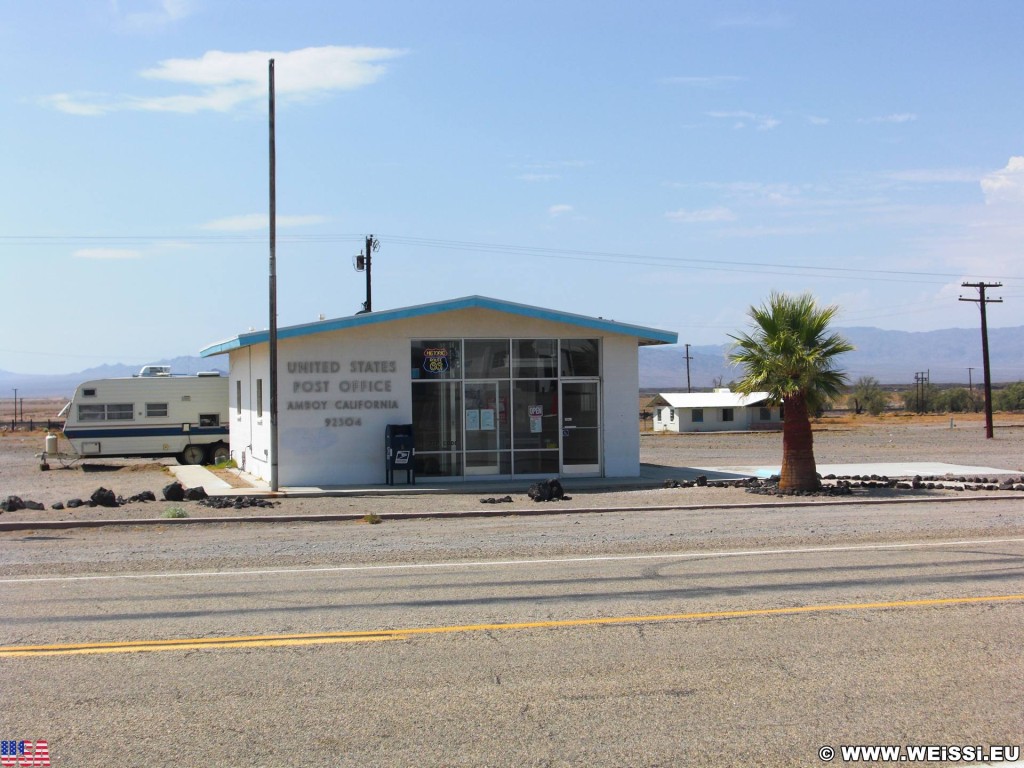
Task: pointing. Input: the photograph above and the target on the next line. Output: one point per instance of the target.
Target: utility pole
(688, 359)
(921, 381)
(363, 264)
(981, 302)
(273, 292)
(15, 403)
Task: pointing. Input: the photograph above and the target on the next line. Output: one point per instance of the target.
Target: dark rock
(12, 504)
(75, 503)
(196, 494)
(57, 505)
(546, 490)
(103, 497)
(236, 502)
(174, 492)
(34, 505)
(701, 480)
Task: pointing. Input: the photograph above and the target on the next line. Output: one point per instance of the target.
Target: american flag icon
(24, 754)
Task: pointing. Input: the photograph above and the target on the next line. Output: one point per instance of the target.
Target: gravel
(891, 439)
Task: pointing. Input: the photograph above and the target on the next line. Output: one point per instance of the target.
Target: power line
(716, 265)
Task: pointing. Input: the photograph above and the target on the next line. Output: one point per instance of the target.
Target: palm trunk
(799, 471)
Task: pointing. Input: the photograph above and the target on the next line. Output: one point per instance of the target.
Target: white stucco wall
(621, 384)
(321, 443)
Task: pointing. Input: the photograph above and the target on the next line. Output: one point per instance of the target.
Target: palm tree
(791, 354)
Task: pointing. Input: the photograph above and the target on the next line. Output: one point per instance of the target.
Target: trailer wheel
(219, 453)
(193, 454)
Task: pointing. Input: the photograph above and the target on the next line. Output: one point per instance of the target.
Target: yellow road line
(324, 638)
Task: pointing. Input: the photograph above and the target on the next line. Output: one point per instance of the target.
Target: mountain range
(951, 356)
(63, 384)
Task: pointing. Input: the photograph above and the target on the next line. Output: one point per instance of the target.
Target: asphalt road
(759, 655)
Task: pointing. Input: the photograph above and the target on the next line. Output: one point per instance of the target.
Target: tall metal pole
(15, 404)
(982, 301)
(273, 292)
(368, 307)
(688, 359)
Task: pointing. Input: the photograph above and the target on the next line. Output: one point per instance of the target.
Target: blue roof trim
(644, 335)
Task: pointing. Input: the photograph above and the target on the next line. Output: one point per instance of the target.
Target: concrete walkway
(651, 476)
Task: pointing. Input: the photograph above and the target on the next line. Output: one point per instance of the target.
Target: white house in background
(719, 411)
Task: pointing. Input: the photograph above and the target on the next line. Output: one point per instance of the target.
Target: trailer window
(209, 420)
(156, 410)
(106, 412)
(120, 411)
(92, 412)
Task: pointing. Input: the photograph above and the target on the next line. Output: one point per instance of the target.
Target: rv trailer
(153, 414)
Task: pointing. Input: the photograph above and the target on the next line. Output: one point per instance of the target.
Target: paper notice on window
(472, 419)
(487, 419)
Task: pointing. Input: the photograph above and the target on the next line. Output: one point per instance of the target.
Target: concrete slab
(894, 469)
(195, 476)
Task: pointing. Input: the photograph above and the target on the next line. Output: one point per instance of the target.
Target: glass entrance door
(488, 437)
(581, 428)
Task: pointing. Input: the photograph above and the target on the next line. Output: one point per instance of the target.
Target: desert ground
(845, 439)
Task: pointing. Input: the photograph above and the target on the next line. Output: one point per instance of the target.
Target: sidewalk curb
(543, 508)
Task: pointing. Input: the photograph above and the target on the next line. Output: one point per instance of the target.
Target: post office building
(490, 388)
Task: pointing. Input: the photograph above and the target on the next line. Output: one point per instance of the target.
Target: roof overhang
(644, 336)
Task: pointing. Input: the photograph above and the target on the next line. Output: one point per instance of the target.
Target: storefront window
(436, 359)
(437, 420)
(535, 420)
(487, 359)
(493, 406)
(534, 358)
(580, 357)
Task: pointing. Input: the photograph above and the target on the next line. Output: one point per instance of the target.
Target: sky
(664, 163)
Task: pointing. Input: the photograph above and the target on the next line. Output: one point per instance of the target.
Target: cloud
(936, 176)
(711, 81)
(544, 165)
(743, 119)
(759, 192)
(753, 20)
(226, 81)
(702, 216)
(1005, 185)
(152, 15)
(901, 117)
(107, 253)
(260, 222)
(815, 120)
(559, 210)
